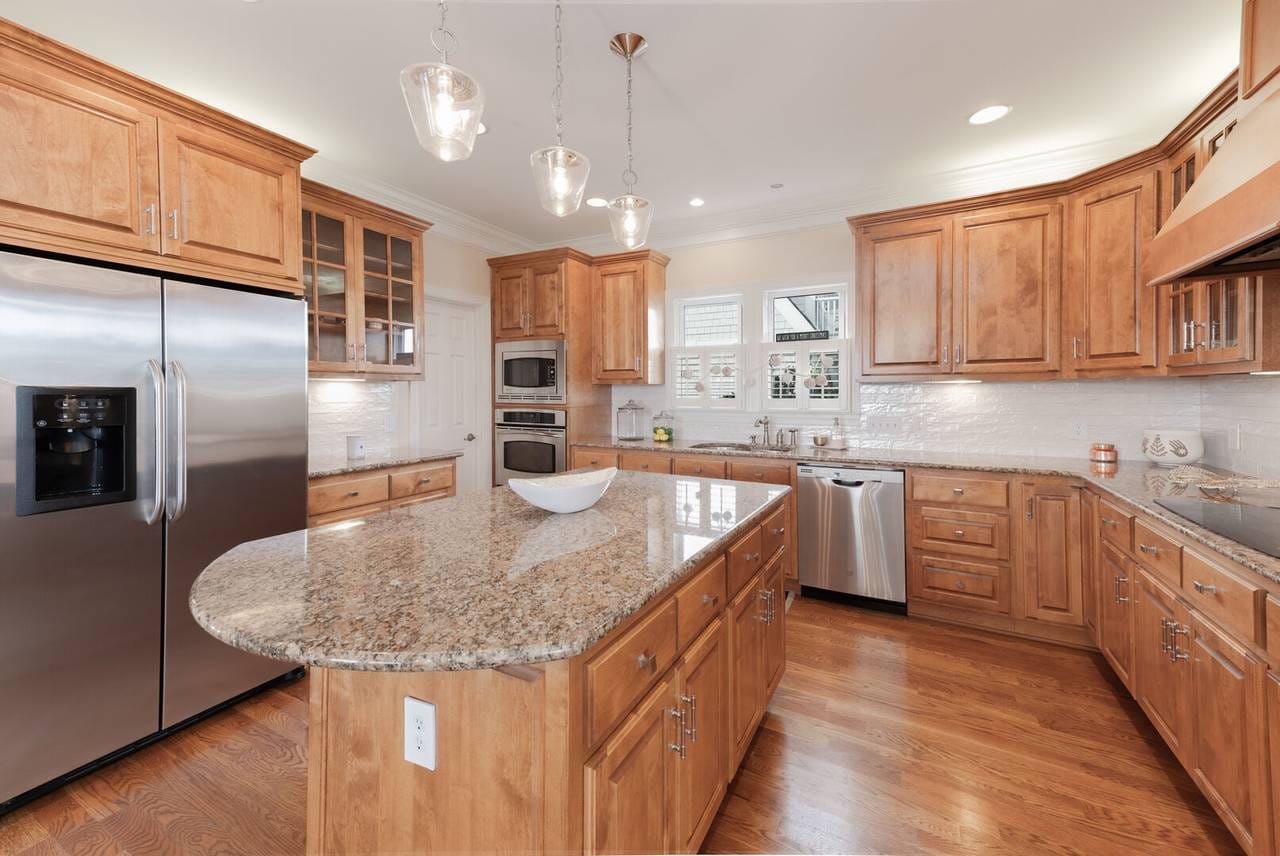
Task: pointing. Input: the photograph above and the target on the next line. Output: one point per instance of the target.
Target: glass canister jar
(631, 421)
(664, 426)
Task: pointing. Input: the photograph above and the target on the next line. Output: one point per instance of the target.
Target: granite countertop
(471, 582)
(1136, 482)
(339, 464)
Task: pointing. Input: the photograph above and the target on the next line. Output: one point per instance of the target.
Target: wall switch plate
(420, 732)
(1079, 430)
(884, 424)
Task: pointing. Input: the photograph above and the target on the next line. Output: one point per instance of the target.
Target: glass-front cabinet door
(391, 308)
(1182, 318)
(1225, 335)
(331, 315)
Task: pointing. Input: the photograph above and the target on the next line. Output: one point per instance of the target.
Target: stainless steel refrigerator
(146, 427)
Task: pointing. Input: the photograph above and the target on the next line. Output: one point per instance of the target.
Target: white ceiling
(854, 106)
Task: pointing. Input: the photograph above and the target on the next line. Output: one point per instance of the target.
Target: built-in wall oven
(530, 371)
(528, 443)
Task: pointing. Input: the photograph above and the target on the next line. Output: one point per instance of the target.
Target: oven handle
(533, 433)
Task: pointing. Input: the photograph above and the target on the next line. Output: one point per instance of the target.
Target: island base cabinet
(702, 771)
(746, 679)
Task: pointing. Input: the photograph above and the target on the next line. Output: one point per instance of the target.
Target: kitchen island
(596, 677)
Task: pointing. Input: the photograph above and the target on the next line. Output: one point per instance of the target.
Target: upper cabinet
(1259, 45)
(529, 299)
(362, 280)
(97, 163)
(628, 302)
(1221, 326)
(1110, 313)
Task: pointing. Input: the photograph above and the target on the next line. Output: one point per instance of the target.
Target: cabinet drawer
(1220, 594)
(348, 493)
(707, 468)
(745, 558)
(1115, 525)
(649, 462)
(421, 480)
(759, 471)
(594, 459)
(773, 531)
(700, 600)
(961, 490)
(620, 674)
(966, 533)
(1158, 553)
(955, 582)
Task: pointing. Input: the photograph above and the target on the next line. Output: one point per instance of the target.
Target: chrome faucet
(763, 422)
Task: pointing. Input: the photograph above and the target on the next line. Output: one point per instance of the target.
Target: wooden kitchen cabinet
(702, 775)
(1007, 288)
(1051, 570)
(1214, 325)
(1115, 611)
(362, 276)
(628, 304)
(1110, 313)
(1259, 45)
(344, 496)
(101, 164)
(529, 300)
(904, 297)
(510, 286)
(775, 629)
(631, 787)
(1161, 672)
(646, 462)
(747, 685)
(1227, 761)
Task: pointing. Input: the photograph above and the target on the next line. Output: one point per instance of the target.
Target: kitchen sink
(724, 447)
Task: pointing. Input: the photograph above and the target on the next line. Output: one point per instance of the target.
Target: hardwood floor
(886, 736)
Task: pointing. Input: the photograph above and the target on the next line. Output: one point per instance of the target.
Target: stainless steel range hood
(1228, 224)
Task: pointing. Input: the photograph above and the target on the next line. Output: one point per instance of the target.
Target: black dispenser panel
(75, 447)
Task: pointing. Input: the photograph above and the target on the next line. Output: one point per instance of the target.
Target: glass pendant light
(444, 102)
(629, 215)
(560, 173)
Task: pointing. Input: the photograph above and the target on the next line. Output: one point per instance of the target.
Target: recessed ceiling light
(990, 114)
(482, 128)
(697, 202)
(597, 202)
(777, 186)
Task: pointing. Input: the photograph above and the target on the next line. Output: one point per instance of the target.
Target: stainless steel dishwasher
(852, 532)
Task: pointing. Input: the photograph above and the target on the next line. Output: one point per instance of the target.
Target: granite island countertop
(1137, 483)
(320, 465)
(470, 582)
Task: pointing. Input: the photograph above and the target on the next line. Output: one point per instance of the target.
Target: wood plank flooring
(886, 736)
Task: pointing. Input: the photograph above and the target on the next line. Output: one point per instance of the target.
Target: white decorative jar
(1170, 448)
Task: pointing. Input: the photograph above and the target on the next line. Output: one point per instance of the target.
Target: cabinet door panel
(630, 783)
(509, 288)
(77, 162)
(1052, 581)
(1226, 331)
(746, 672)
(227, 204)
(904, 285)
(704, 770)
(619, 322)
(775, 627)
(1161, 682)
(546, 301)
(1260, 45)
(1007, 287)
(1115, 613)
(1227, 699)
(1113, 313)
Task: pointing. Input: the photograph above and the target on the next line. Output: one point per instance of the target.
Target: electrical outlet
(1079, 429)
(1235, 437)
(420, 732)
(884, 424)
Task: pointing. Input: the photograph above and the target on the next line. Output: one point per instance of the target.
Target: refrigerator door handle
(179, 505)
(161, 397)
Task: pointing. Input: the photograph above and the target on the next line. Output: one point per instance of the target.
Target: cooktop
(1251, 525)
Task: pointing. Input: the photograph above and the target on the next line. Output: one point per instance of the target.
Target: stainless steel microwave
(530, 371)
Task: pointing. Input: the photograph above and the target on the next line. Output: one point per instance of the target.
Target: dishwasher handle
(844, 483)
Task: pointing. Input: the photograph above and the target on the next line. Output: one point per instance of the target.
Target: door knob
(469, 437)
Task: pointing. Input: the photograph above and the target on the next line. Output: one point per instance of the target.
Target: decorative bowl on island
(567, 493)
(1172, 448)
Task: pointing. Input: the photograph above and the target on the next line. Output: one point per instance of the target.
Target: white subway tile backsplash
(375, 411)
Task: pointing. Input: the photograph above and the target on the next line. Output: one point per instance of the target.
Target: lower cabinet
(746, 678)
(1051, 577)
(775, 629)
(702, 774)
(1160, 671)
(332, 499)
(1115, 611)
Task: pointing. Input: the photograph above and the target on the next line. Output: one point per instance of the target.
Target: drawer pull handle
(1149, 549)
(647, 661)
(710, 599)
(959, 533)
(958, 491)
(778, 531)
(959, 585)
(750, 557)
(353, 493)
(697, 469)
(759, 475)
(426, 480)
(1107, 521)
(1202, 588)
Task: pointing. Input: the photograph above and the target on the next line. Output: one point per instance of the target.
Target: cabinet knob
(426, 480)
(958, 491)
(778, 531)
(1149, 549)
(710, 599)
(353, 493)
(959, 585)
(646, 661)
(959, 533)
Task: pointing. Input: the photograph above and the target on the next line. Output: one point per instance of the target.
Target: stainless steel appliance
(529, 371)
(852, 532)
(528, 443)
(146, 426)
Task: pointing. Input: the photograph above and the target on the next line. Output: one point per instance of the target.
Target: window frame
(678, 349)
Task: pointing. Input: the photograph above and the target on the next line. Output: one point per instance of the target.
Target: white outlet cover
(420, 732)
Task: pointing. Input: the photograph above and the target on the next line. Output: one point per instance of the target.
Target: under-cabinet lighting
(1265, 374)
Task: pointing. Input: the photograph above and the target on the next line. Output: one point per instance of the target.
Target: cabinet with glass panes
(1223, 325)
(362, 280)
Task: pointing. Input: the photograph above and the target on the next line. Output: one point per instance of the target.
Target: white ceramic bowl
(565, 494)
(1172, 448)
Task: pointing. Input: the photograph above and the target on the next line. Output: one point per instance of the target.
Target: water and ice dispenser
(75, 447)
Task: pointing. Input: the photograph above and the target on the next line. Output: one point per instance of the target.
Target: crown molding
(444, 220)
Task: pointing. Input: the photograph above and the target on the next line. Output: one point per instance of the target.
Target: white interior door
(450, 413)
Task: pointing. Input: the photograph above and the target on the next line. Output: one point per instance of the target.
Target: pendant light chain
(557, 93)
(629, 176)
(441, 35)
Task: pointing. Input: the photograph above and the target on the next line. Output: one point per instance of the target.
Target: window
(707, 361)
(806, 312)
(711, 323)
(805, 334)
